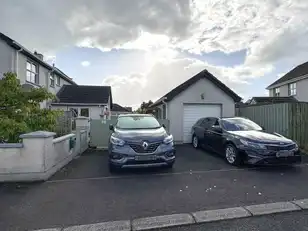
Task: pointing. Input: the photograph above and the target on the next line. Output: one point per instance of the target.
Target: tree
(20, 110)
(145, 108)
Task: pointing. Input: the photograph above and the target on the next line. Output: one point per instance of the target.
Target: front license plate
(284, 153)
(144, 158)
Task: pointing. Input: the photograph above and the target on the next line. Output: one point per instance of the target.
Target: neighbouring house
(30, 68)
(270, 100)
(203, 95)
(89, 101)
(294, 83)
(117, 110)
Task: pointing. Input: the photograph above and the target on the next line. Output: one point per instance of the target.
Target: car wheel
(195, 141)
(232, 156)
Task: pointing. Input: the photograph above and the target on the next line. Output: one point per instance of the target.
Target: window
(58, 80)
(52, 80)
(84, 112)
(292, 89)
(239, 124)
(208, 122)
(277, 92)
(137, 122)
(32, 72)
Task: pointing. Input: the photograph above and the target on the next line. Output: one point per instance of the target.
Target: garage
(193, 112)
(203, 95)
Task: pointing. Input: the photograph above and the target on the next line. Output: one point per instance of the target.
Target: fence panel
(273, 117)
(288, 119)
(64, 124)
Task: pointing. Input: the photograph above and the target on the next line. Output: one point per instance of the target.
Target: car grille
(139, 148)
(280, 148)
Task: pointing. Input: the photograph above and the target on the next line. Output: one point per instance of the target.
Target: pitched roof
(117, 107)
(203, 74)
(31, 55)
(294, 73)
(83, 94)
(288, 99)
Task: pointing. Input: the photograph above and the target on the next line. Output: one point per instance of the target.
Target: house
(270, 100)
(30, 68)
(203, 95)
(294, 83)
(89, 101)
(117, 110)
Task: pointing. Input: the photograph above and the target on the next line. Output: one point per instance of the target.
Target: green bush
(20, 110)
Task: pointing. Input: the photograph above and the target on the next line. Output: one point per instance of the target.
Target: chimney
(40, 56)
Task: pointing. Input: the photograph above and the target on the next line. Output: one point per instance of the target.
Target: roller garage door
(194, 112)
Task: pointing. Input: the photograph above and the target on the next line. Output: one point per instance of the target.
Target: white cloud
(85, 63)
(164, 75)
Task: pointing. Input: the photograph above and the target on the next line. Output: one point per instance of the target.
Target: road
(85, 192)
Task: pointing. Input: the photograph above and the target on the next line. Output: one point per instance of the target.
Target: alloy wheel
(195, 142)
(230, 154)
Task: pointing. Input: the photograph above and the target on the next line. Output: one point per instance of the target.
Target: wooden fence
(288, 119)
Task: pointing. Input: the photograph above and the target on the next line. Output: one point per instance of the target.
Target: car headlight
(116, 141)
(168, 139)
(252, 144)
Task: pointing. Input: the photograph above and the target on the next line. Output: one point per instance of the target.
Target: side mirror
(217, 129)
(163, 126)
(263, 128)
(111, 127)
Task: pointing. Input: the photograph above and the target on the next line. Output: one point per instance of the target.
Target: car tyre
(195, 141)
(232, 155)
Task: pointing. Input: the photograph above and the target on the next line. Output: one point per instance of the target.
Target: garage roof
(203, 74)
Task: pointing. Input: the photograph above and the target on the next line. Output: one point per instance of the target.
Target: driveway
(85, 192)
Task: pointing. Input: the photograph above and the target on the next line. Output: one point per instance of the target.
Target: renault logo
(145, 145)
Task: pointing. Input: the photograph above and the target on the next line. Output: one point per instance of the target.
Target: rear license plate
(284, 153)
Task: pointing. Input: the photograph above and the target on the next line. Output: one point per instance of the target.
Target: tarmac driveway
(85, 192)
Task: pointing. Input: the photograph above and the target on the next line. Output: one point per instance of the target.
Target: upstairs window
(292, 89)
(277, 92)
(32, 72)
(57, 80)
(52, 80)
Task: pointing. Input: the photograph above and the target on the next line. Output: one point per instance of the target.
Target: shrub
(20, 110)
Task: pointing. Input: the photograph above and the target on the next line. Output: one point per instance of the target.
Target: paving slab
(220, 214)
(162, 221)
(302, 203)
(270, 208)
(105, 226)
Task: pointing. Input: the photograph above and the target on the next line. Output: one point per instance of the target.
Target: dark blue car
(138, 141)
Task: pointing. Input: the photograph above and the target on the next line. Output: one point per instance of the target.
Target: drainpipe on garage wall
(163, 101)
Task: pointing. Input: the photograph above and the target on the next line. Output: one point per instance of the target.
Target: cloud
(164, 75)
(271, 31)
(85, 63)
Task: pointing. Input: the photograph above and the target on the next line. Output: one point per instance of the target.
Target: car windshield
(137, 122)
(239, 124)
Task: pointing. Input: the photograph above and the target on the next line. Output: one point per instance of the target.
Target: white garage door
(194, 112)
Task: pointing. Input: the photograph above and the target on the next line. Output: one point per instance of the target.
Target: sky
(145, 48)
